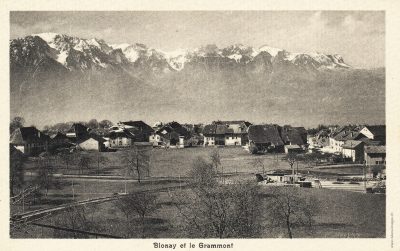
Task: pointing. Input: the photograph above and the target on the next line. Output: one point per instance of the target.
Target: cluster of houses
(362, 144)
(357, 143)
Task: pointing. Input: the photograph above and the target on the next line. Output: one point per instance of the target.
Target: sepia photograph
(211, 124)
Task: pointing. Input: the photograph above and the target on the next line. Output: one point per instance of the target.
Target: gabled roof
(377, 130)
(351, 144)
(347, 135)
(122, 134)
(92, 136)
(375, 149)
(292, 136)
(143, 127)
(78, 128)
(58, 135)
(27, 134)
(265, 134)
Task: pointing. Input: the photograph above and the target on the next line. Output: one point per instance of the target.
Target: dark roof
(375, 149)
(143, 127)
(377, 130)
(27, 134)
(78, 128)
(347, 135)
(351, 144)
(209, 130)
(123, 134)
(92, 136)
(265, 134)
(293, 136)
(58, 135)
(370, 142)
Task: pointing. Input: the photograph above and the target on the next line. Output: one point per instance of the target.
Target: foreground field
(343, 215)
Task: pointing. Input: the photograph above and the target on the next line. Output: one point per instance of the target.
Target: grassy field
(176, 162)
(343, 215)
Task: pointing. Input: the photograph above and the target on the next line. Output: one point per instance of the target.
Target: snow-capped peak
(48, 37)
(271, 50)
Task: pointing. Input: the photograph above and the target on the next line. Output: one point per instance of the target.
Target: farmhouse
(293, 136)
(140, 129)
(353, 149)
(78, 132)
(265, 138)
(171, 133)
(375, 155)
(375, 132)
(29, 140)
(121, 138)
(293, 149)
(229, 133)
(93, 143)
(59, 140)
(337, 141)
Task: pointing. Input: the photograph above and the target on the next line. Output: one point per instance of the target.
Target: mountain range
(57, 77)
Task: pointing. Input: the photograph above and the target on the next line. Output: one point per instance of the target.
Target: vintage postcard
(187, 127)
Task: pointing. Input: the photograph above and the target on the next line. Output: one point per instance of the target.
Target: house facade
(354, 150)
(29, 140)
(120, 139)
(266, 138)
(375, 133)
(375, 155)
(228, 133)
(92, 144)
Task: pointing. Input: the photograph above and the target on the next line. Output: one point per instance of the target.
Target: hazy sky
(359, 36)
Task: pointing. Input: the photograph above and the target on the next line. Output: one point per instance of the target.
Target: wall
(90, 144)
(233, 140)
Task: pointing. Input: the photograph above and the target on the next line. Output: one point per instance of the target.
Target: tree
(288, 208)
(16, 122)
(291, 159)
(215, 159)
(221, 211)
(203, 174)
(100, 160)
(66, 157)
(259, 163)
(83, 162)
(17, 160)
(211, 210)
(137, 160)
(93, 124)
(44, 178)
(253, 149)
(141, 204)
(105, 124)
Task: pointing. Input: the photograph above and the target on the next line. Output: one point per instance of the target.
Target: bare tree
(216, 161)
(259, 163)
(83, 162)
(137, 160)
(203, 173)
(16, 122)
(17, 160)
(218, 211)
(289, 208)
(291, 159)
(100, 160)
(141, 204)
(44, 178)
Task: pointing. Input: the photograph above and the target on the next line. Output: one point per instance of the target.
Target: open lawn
(174, 162)
(342, 215)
